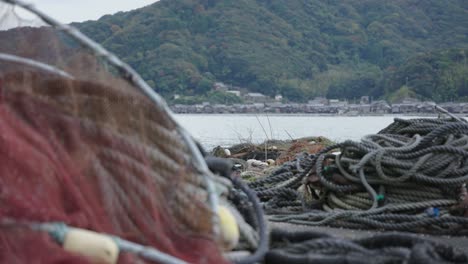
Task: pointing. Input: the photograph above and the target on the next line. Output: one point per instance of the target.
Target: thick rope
(408, 177)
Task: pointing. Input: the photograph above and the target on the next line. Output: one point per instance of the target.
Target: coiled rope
(315, 247)
(409, 177)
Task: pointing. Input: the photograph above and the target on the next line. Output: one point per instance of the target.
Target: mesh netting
(80, 145)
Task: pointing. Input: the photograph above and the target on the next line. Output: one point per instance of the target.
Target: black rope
(224, 167)
(263, 246)
(317, 247)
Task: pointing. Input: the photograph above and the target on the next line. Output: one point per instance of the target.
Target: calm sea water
(226, 130)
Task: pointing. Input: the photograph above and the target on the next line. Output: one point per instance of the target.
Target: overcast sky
(80, 10)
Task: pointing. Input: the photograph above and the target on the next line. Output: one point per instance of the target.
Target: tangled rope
(279, 189)
(314, 247)
(409, 177)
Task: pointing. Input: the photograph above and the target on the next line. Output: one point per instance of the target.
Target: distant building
(404, 108)
(408, 100)
(380, 107)
(235, 92)
(318, 101)
(453, 107)
(256, 97)
(359, 109)
(364, 100)
(219, 86)
(337, 103)
(259, 106)
(278, 98)
(220, 108)
(426, 107)
(208, 109)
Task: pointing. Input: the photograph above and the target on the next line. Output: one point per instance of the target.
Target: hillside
(299, 48)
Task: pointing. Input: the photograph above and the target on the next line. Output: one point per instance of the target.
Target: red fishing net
(88, 149)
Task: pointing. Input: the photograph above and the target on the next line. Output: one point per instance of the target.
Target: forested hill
(297, 48)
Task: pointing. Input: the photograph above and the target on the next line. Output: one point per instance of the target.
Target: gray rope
(416, 165)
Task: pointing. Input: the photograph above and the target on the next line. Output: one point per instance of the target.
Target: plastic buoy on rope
(229, 228)
(97, 247)
(227, 152)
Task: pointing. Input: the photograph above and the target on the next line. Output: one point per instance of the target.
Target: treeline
(297, 48)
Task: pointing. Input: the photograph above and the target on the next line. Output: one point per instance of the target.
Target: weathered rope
(315, 247)
(408, 177)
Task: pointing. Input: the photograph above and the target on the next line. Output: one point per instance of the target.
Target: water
(226, 129)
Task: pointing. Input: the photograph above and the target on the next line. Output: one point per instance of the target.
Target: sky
(67, 11)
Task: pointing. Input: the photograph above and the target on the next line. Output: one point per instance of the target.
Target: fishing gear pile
(408, 177)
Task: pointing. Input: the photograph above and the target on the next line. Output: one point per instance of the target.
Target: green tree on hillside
(299, 48)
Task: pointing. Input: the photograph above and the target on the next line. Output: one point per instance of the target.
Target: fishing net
(82, 145)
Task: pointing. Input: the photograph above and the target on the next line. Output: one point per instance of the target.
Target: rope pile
(314, 247)
(409, 177)
(279, 189)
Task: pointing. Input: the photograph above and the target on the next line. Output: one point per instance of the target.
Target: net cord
(134, 78)
(58, 231)
(35, 64)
